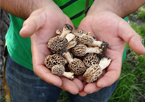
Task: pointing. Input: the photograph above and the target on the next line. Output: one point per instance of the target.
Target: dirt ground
(4, 23)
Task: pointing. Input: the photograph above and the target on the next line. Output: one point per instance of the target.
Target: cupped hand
(41, 25)
(111, 28)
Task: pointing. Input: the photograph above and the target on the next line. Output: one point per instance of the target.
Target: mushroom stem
(71, 44)
(96, 43)
(58, 31)
(104, 62)
(66, 29)
(69, 75)
(68, 57)
(93, 50)
(69, 37)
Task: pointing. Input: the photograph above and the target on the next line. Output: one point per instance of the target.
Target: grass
(63, 97)
(131, 83)
(2, 100)
(141, 15)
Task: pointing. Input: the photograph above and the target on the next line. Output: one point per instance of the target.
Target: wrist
(40, 4)
(121, 8)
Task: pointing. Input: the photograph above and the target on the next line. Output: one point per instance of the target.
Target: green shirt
(20, 48)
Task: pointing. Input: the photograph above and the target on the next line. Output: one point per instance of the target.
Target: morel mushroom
(81, 50)
(91, 59)
(90, 41)
(95, 71)
(54, 59)
(75, 65)
(79, 32)
(66, 29)
(60, 42)
(59, 70)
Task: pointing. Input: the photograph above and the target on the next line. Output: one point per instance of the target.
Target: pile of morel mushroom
(78, 52)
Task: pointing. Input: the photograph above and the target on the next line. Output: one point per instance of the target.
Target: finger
(131, 37)
(69, 86)
(32, 24)
(78, 83)
(91, 88)
(82, 93)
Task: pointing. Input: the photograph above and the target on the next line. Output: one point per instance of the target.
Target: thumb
(32, 24)
(131, 37)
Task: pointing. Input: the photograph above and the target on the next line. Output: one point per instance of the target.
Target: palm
(109, 27)
(42, 28)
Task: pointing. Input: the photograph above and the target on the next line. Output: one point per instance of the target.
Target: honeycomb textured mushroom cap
(58, 70)
(54, 59)
(57, 43)
(91, 59)
(77, 66)
(86, 39)
(79, 50)
(68, 27)
(79, 32)
(92, 73)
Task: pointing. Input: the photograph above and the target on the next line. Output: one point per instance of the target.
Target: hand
(41, 26)
(111, 28)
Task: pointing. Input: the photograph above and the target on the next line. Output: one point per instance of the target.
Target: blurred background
(132, 80)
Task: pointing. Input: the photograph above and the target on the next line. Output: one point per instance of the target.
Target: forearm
(23, 8)
(120, 7)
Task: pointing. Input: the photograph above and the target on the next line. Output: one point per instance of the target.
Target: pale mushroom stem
(93, 50)
(66, 29)
(104, 62)
(69, 75)
(71, 44)
(64, 33)
(58, 31)
(96, 43)
(69, 37)
(68, 57)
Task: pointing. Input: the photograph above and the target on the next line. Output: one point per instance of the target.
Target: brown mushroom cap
(54, 59)
(79, 50)
(92, 73)
(58, 70)
(86, 39)
(77, 66)
(67, 27)
(79, 32)
(57, 43)
(91, 59)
